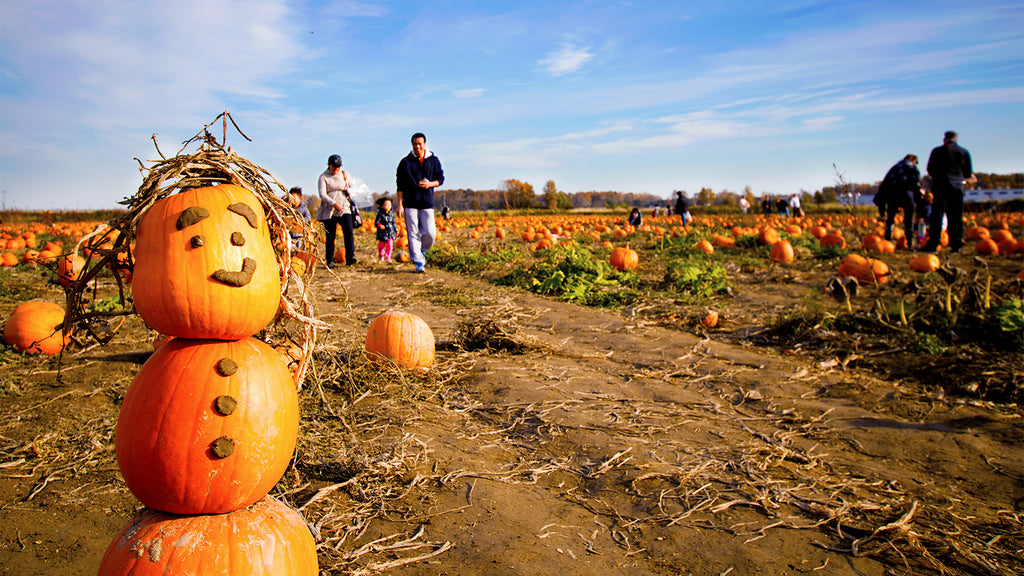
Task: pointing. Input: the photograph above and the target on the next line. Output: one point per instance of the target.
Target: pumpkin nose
(239, 278)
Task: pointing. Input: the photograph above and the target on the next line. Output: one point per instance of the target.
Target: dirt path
(599, 444)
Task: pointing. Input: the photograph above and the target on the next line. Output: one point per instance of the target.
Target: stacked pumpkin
(209, 424)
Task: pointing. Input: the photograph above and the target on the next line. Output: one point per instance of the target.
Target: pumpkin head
(205, 266)
(401, 337)
(267, 538)
(207, 426)
(623, 258)
(33, 328)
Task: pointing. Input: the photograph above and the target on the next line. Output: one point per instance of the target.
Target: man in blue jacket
(950, 167)
(417, 176)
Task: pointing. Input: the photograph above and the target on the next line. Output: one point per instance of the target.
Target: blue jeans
(421, 231)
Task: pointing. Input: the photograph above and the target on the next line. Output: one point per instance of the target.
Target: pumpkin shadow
(128, 357)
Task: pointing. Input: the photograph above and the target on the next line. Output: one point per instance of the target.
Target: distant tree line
(514, 194)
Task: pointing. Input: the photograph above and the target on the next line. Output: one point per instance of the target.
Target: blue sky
(642, 96)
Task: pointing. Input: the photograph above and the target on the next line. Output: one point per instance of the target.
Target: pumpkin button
(226, 367)
(225, 405)
(222, 447)
(237, 239)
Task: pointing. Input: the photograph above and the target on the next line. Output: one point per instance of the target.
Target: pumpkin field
(748, 394)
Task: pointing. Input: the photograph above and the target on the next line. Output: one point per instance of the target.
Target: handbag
(357, 219)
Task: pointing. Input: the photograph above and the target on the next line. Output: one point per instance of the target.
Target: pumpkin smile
(239, 278)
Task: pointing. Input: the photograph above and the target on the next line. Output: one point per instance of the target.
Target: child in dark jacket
(386, 229)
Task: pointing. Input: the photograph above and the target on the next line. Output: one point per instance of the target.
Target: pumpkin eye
(191, 215)
(245, 211)
(237, 239)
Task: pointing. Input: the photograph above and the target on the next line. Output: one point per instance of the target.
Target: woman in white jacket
(336, 208)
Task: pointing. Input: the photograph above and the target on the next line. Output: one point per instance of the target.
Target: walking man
(950, 167)
(417, 176)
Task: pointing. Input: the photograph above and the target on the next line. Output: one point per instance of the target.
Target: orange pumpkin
(884, 247)
(623, 258)
(267, 538)
(767, 236)
(33, 328)
(988, 247)
(207, 426)
(1001, 235)
(705, 247)
(976, 233)
(69, 269)
(205, 266)
(925, 263)
(721, 241)
(401, 337)
(710, 319)
(865, 270)
(782, 252)
(834, 238)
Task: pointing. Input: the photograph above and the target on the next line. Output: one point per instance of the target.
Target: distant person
(901, 190)
(446, 212)
(683, 208)
(922, 214)
(636, 219)
(744, 204)
(782, 205)
(336, 209)
(417, 176)
(386, 229)
(295, 199)
(766, 205)
(794, 206)
(950, 167)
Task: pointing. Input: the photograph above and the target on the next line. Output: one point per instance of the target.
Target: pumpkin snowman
(209, 424)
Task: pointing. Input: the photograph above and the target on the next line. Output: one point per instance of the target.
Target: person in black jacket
(900, 189)
(683, 208)
(950, 167)
(417, 176)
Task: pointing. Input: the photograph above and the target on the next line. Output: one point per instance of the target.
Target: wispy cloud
(469, 92)
(567, 60)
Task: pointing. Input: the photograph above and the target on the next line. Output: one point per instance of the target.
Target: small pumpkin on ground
(403, 338)
(33, 328)
(624, 258)
(925, 263)
(782, 252)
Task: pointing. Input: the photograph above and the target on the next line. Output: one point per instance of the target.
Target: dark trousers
(951, 203)
(331, 227)
(897, 201)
